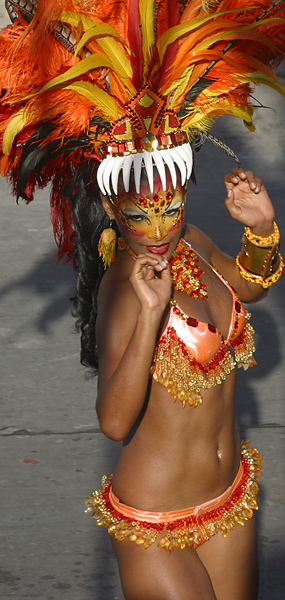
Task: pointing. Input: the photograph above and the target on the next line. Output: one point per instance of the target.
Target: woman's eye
(136, 218)
(172, 211)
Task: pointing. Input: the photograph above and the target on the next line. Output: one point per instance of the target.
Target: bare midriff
(178, 457)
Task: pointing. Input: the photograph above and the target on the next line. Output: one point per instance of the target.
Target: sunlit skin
(150, 222)
(173, 458)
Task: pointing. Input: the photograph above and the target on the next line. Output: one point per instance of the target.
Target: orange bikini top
(191, 355)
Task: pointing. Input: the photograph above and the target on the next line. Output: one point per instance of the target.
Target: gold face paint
(152, 216)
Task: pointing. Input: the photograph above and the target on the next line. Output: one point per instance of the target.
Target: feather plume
(146, 8)
(98, 98)
(15, 125)
(133, 30)
(75, 67)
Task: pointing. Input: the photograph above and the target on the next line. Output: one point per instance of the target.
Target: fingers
(146, 265)
(158, 263)
(151, 281)
(239, 176)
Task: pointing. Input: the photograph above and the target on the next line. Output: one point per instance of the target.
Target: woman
(173, 459)
(110, 95)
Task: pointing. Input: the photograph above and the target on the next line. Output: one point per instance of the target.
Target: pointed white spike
(127, 165)
(100, 173)
(107, 172)
(188, 149)
(138, 169)
(115, 173)
(158, 161)
(149, 168)
(186, 154)
(180, 163)
(169, 162)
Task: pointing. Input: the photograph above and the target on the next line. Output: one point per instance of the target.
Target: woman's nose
(157, 230)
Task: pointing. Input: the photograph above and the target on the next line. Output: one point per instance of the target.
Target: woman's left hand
(249, 202)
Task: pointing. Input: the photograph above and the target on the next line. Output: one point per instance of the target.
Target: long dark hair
(75, 206)
(90, 219)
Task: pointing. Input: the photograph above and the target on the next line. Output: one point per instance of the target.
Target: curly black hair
(90, 219)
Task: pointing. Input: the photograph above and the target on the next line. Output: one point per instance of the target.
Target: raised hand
(151, 281)
(248, 201)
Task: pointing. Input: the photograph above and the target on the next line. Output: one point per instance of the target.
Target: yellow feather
(102, 29)
(74, 19)
(203, 118)
(85, 65)
(225, 108)
(111, 48)
(14, 127)
(177, 31)
(102, 100)
(116, 55)
(249, 125)
(179, 86)
(212, 40)
(146, 8)
(265, 79)
(197, 120)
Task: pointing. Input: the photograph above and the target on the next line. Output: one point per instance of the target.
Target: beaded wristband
(259, 260)
(275, 272)
(258, 240)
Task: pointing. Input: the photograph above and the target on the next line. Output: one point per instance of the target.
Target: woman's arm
(249, 203)
(128, 320)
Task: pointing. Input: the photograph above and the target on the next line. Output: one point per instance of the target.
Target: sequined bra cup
(191, 355)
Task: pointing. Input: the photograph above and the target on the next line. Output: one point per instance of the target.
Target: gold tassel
(106, 246)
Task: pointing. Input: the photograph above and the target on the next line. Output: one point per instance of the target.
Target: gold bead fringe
(175, 368)
(191, 531)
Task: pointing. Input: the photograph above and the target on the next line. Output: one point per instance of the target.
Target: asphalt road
(52, 451)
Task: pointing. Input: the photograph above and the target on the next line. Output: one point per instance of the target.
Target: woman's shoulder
(199, 241)
(116, 291)
(118, 308)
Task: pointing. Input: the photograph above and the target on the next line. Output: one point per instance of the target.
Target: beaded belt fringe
(189, 527)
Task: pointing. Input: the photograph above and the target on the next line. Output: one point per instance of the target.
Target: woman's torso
(176, 457)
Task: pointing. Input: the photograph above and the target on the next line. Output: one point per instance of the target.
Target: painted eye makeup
(137, 218)
(172, 210)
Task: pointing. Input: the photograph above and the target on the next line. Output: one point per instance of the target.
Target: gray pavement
(52, 451)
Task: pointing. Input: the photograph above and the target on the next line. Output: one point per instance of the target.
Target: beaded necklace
(184, 267)
(186, 272)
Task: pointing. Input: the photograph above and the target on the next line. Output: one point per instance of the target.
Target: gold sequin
(188, 531)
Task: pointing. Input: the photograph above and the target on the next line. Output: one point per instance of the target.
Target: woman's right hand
(151, 281)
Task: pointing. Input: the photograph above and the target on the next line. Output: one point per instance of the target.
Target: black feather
(202, 136)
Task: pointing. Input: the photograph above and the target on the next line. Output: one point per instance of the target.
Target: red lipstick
(162, 249)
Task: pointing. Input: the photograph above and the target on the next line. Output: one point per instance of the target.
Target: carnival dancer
(106, 100)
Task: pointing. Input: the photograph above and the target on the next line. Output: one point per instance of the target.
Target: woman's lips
(162, 249)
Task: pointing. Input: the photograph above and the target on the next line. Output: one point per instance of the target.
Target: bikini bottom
(186, 527)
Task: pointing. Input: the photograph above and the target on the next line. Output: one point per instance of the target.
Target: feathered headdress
(125, 84)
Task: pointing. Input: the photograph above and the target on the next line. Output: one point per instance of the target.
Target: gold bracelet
(258, 260)
(258, 240)
(265, 282)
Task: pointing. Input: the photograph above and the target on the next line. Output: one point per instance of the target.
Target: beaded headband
(149, 135)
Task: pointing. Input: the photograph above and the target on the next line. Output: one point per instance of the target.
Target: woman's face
(151, 221)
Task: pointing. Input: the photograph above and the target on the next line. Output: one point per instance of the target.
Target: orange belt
(173, 515)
